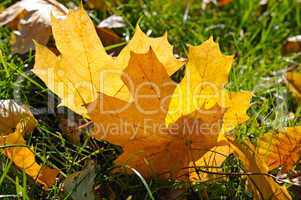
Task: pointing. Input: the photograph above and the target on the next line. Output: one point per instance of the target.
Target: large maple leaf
(150, 144)
(83, 67)
(162, 127)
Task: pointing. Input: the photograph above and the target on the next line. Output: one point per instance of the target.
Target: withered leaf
(30, 20)
(15, 121)
(80, 185)
(292, 45)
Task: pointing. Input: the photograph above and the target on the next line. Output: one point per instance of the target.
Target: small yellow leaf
(293, 81)
(14, 117)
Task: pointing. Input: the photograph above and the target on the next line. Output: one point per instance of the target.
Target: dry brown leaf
(105, 32)
(292, 45)
(15, 121)
(281, 148)
(293, 81)
(30, 20)
(80, 185)
(261, 185)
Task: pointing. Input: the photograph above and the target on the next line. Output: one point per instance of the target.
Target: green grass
(253, 33)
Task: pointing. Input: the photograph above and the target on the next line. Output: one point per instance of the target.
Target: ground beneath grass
(253, 33)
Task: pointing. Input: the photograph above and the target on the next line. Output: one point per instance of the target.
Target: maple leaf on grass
(260, 183)
(83, 67)
(15, 121)
(281, 148)
(150, 145)
(137, 105)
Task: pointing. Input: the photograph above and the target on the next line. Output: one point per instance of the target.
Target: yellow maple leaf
(139, 125)
(133, 108)
(262, 185)
(281, 148)
(293, 81)
(203, 85)
(83, 67)
(16, 121)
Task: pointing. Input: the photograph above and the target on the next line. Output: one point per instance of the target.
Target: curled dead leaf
(80, 185)
(292, 45)
(15, 121)
(30, 20)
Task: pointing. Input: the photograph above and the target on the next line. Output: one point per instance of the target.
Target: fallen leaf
(211, 162)
(30, 20)
(262, 186)
(130, 106)
(292, 45)
(293, 81)
(105, 32)
(139, 125)
(15, 121)
(216, 2)
(80, 185)
(92, 69)
(113, 21)
(281, 148)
